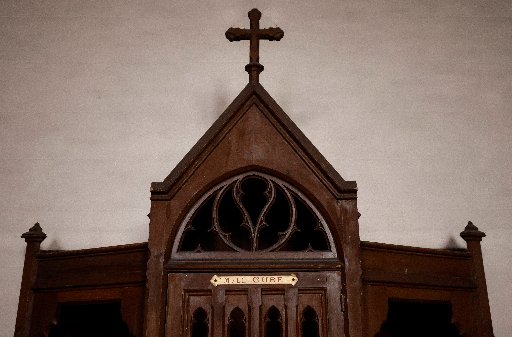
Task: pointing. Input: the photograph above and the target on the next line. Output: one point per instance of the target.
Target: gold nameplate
(253, 279)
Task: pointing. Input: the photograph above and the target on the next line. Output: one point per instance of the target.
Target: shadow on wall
(453, 244)
(54, 245)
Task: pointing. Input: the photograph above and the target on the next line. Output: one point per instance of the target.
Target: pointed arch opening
(237, 323)
(273, 323)
(309, 323)
(199, 326)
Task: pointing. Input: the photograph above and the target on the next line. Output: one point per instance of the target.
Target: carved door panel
(310, 308)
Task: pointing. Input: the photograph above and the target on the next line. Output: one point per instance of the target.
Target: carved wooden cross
(254, 35)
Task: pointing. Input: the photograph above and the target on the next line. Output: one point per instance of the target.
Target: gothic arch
(237, 325)
(199, 326)
(309, 323)
(273, 323)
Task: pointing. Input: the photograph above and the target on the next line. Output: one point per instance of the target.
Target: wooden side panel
(417, 274)
(47, 304)
(92, 267)
(387, 264)
(99, 275)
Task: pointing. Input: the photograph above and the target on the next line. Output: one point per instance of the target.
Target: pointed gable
(254, 132)
(253, 138)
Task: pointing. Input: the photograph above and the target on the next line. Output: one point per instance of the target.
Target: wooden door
(310, 308)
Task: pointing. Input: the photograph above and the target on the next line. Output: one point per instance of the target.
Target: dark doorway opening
(418, 319)
(89, 320)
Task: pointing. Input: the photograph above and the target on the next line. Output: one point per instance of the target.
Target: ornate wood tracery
(254, 212)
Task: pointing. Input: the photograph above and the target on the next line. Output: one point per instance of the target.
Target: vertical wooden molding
(155, 302)
(473, 237)
(291, 317)
(351, 245)
(219, 299)
(33, 238)
(156, 277)
(254, 308)
(335, 315)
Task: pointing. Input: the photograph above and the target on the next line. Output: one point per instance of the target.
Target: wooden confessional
(254, 234)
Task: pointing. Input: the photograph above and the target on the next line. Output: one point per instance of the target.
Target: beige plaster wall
(410, 98)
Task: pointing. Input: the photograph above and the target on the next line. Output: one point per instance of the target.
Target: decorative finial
(471, 233)
(34, 234)
(254, 35)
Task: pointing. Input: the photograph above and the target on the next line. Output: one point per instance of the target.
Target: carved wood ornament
(254, 212)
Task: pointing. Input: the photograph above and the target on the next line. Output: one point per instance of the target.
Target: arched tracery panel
(254, 212)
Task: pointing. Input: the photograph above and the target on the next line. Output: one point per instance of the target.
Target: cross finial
(254, 34)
